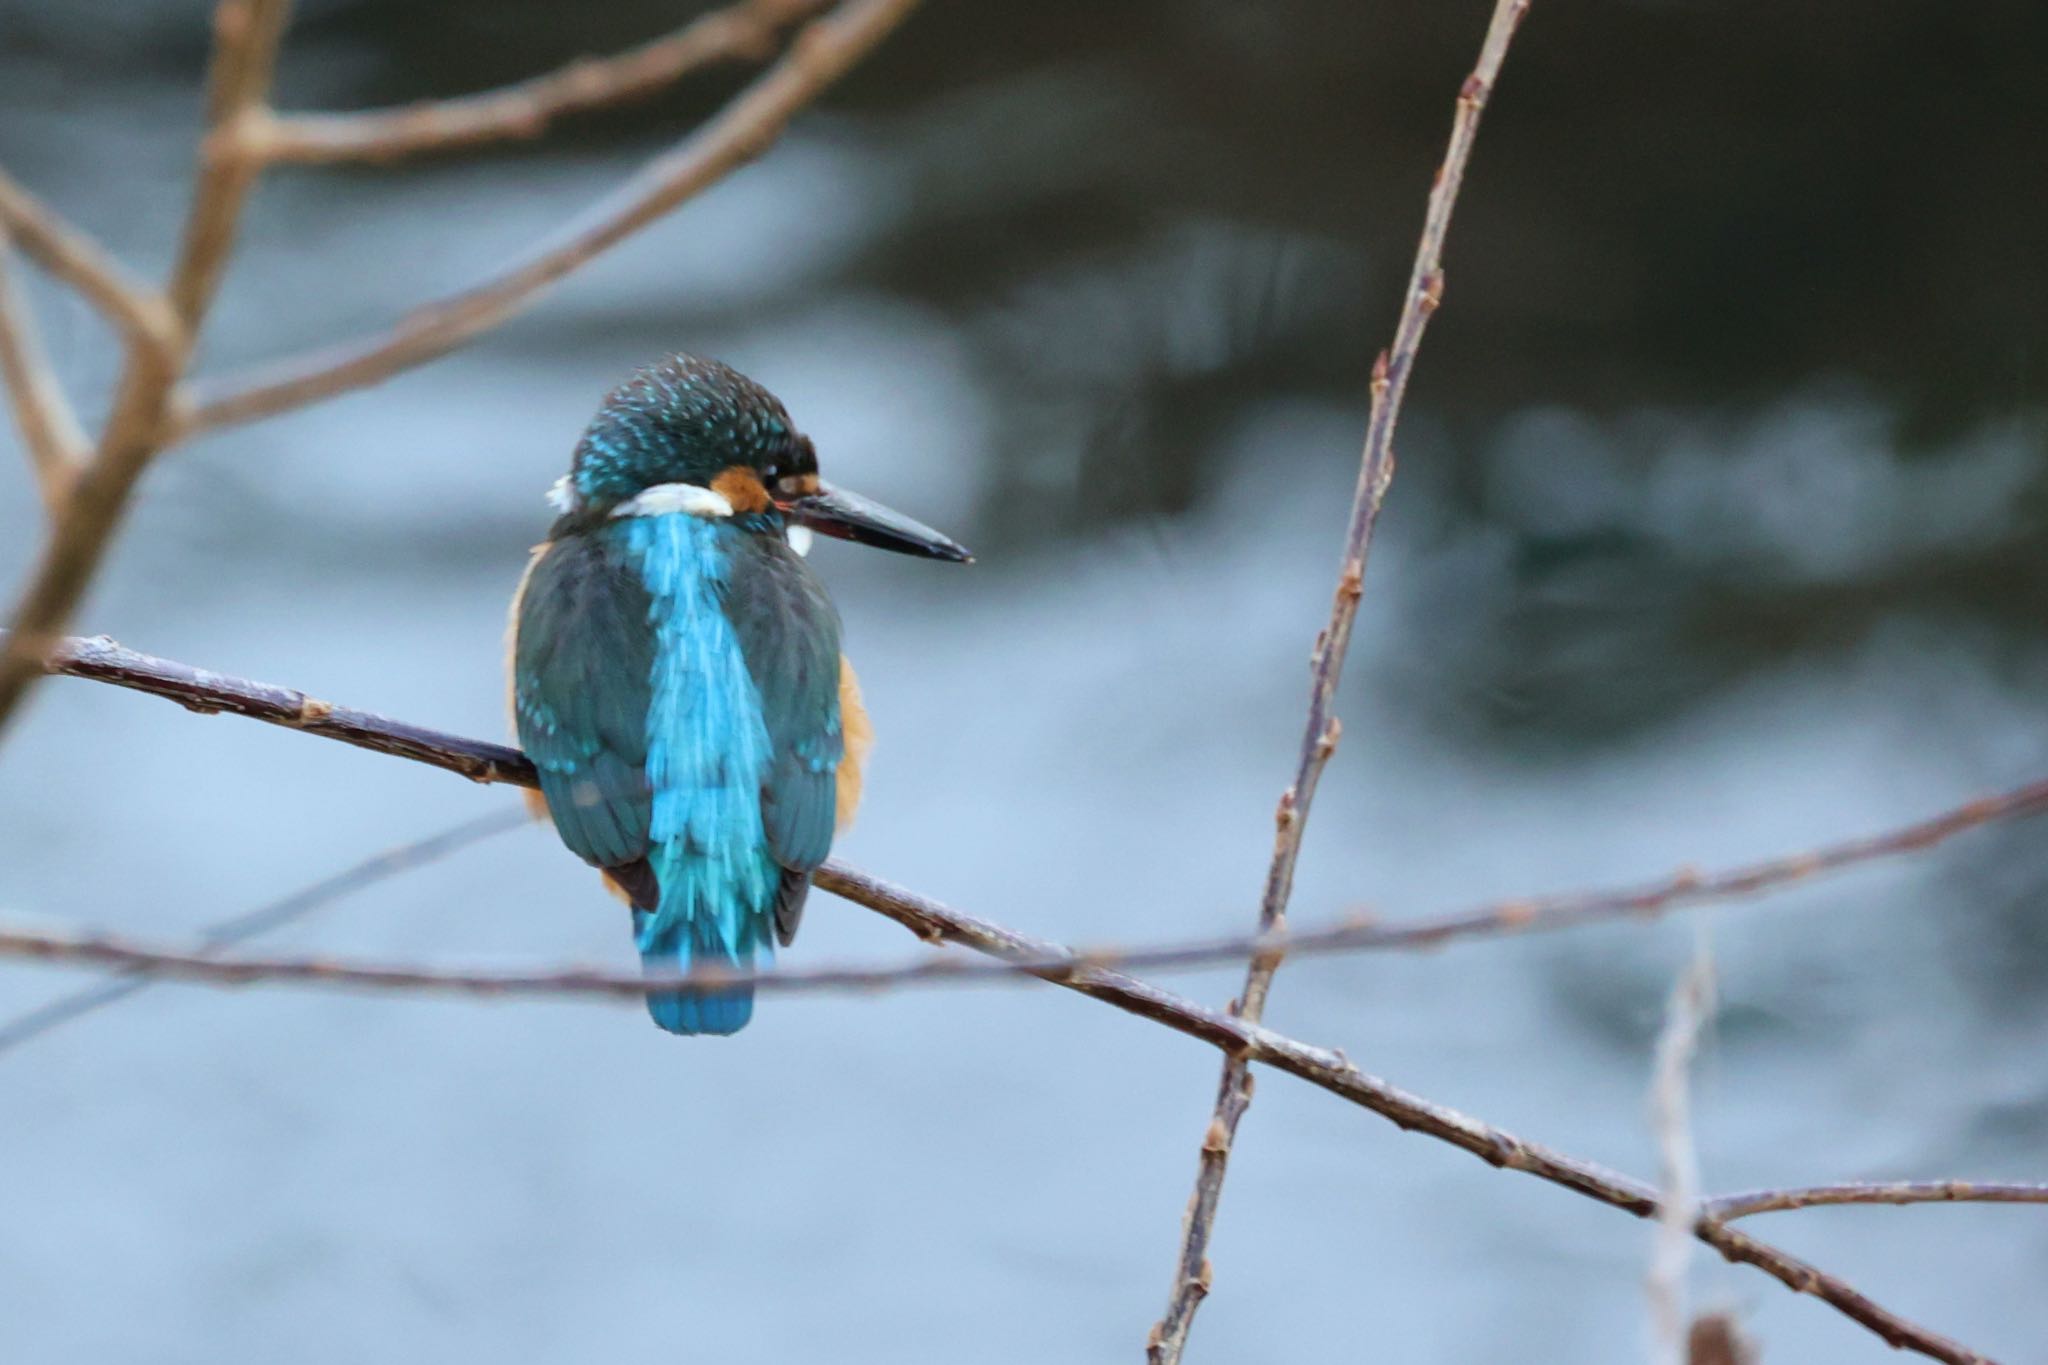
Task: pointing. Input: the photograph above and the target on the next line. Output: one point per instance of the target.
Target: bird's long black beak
(835, 512)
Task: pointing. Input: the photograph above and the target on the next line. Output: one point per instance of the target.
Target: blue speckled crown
(683, 420)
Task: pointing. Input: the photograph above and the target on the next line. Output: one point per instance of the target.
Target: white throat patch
(664, 498)
(799, 538)
(562, 495)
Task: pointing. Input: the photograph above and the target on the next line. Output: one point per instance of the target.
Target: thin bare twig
(34, 1023)
(100, 659)
(1192, 1273)
(825, 50)
(1678, 1176)
(50, 433)
(246, 36)
(933, 922)
(1729, 1207)
(747, 31)
(82, 263)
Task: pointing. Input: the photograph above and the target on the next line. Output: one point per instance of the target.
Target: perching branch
(102, 660)
(747, 31)
(1192, 1275)
(820, 55)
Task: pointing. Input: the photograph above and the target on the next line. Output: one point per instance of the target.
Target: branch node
(1515, 914)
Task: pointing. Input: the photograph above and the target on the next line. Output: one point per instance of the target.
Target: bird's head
(691, 435)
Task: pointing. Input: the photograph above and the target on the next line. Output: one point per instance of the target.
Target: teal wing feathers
(582, 665)
(788, 631)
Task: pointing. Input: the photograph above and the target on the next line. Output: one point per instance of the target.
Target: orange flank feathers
(859, 735)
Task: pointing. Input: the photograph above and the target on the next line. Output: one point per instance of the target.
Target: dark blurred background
(1717, 533)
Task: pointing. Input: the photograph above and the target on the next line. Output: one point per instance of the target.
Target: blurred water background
(1717, 534)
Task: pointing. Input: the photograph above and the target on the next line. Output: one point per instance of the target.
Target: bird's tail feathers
(673, 948)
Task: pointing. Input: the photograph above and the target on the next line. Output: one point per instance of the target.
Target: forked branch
(76, 259)
(821, 54)
(246, 35)
(100, 659)
(151, 408)
(934, 922)
(43, 414)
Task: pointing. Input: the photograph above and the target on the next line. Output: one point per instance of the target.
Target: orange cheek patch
(742, 488)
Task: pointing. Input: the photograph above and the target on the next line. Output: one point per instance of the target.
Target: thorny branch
(934, 923)
(1192, 1274)
(153, 408)
(747, 31)
(100, 659)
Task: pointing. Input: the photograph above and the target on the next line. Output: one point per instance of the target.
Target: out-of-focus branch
(1690, 1005)
(151, 411)
(747, 31)
(933, 922)
(82, 263)
(34, 1023)
(1717, 1339)
(823, 52)
(1192, 1273)
(43, 414)
(1729, 1207)
(99, 659)
(246, 36)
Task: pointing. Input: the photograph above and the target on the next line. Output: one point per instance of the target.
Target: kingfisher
(676, 672)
